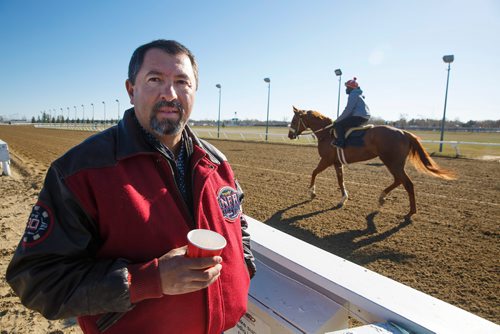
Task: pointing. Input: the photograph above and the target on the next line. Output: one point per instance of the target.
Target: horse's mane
(319, 115)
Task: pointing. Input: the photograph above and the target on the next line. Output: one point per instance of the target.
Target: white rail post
(4, 158)
(457, 150)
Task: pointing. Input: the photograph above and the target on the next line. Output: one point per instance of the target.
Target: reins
(306, 127)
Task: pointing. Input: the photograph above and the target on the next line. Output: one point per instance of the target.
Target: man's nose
(168, 92)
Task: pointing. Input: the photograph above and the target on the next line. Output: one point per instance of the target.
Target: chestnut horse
(393, 146)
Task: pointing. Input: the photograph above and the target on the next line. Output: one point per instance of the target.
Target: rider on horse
(356, 113)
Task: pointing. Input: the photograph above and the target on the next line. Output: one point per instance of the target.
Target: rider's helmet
(352, 83)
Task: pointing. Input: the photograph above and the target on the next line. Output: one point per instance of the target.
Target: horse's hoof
(344, 199)
(313, 196)
(381, 201)
(409, 214)
(342, 203)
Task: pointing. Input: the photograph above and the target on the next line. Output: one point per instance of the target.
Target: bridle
(301, 122)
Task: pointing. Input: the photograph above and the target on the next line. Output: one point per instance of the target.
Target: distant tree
(377, 121)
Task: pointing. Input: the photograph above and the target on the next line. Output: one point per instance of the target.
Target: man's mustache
(173, 104)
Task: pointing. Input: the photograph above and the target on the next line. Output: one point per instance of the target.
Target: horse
(393, 146)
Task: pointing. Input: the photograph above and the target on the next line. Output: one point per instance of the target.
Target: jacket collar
(132, 140)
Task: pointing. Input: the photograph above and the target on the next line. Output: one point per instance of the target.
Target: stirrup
(341, 156)
(336, 144)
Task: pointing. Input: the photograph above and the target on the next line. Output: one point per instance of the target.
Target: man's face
(163, 93)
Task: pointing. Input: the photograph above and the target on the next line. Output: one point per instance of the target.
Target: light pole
(447, 59)
(338, 72)
(218, 117)
(75, 113)
(92, 112)
(268, 97)
(104, 104)
(68, 114)
(83, 113)
(62, 115)
(118, 102)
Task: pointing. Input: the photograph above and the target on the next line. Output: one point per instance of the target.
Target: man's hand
(180, 274)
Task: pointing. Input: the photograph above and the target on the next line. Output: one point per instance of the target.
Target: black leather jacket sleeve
(61, 277)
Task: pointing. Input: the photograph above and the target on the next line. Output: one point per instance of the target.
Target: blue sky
(60, 54)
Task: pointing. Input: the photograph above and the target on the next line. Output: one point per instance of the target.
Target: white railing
(456, 144)
(295, 276)
(245, 136)
(5, 158)
(242, 135)
(228, 134)
(96, 127)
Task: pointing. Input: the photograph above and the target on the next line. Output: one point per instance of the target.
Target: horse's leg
(322, 165)
(400, 176)
(340, 178)
(386, 191)
(411, 193)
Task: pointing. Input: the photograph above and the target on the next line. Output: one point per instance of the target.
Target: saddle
(351, 130)
(356, 139)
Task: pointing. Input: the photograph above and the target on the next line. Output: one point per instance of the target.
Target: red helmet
(352, 83)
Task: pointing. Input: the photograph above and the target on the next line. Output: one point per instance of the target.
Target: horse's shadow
(344, 244)
(278, 216)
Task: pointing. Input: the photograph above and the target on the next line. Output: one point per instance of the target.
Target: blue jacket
(356, 106)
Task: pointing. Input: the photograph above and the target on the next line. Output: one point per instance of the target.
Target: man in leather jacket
(106, 240)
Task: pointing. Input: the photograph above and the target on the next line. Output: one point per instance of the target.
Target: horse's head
(297, 126)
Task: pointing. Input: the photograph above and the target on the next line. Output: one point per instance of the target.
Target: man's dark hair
(169, 46)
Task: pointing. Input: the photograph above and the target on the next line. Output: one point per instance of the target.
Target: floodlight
(448, 59)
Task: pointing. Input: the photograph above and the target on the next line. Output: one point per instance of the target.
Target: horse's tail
(423, 162)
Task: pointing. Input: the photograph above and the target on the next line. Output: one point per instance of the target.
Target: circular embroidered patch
(38, 226)
(229, 203)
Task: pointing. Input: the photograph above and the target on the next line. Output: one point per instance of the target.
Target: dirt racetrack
(449, 250)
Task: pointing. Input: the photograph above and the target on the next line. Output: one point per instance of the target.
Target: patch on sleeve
(229, 203)
(39, 225)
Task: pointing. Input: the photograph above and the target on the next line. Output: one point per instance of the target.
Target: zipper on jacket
(195, 199)
(177, 190)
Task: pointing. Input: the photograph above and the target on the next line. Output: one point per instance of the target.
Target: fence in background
(95, 127)
(457, 146)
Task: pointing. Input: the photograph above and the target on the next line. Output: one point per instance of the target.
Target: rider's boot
(339, 142)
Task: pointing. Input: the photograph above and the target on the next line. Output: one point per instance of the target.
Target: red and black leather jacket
(109, 208)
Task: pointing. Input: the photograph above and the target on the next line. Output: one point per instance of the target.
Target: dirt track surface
(449, 250)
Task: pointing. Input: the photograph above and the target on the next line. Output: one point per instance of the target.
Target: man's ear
(130, 90)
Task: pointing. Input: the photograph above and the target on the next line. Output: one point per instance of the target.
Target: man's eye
(154, 79)
(183, 82)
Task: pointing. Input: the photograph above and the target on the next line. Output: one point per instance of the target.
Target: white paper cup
(205, 243)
